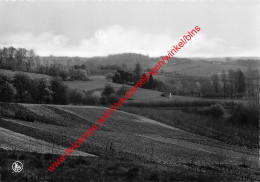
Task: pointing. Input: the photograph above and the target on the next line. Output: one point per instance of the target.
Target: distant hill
(197, 66)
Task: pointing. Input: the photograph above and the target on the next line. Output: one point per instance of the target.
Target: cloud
(117, 39)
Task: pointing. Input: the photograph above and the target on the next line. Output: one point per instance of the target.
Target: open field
(199, 68)
(131, 137)
(98, 83)
(16, 141)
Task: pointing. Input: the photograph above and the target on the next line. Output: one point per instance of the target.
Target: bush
(113, 98)
(93, 99)
(76, 97)
(6, 113)
(19, 114)
(108, 90)
(245, 114)
(104, 100)
(121, 91)
(216, 110)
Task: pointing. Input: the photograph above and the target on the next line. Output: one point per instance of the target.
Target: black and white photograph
(129, 90)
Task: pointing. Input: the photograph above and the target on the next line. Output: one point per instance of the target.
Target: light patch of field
(31, 75)
(198, 68)
(45, 112)
(16, 141)
(96, 82)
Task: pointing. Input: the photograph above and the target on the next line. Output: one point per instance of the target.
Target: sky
(100, 28)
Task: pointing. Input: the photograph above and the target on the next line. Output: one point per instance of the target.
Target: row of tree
(22, 88)
(231, 84)
(125, 77)
(26, 60)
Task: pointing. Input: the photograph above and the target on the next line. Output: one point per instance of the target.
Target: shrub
(19, 114)
(121, 91)
(108, 90)
(216, 110)
(104, 100)
(113, 98)
(6, 113)
(92, 99)
(245, 114)
(76, 97)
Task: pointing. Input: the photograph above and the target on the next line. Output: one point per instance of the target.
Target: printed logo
(17, 166)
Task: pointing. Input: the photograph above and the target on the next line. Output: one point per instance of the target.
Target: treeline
(245, 62)
(125, 77)
(111, 67)
(125, 60)
(66, 73)
(231, 84)
(23, 89)
(21, 59)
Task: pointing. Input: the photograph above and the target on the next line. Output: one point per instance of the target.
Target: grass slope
(129, 137)
(31, 75)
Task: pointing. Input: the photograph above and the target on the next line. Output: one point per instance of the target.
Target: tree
(21, 57)
(109, 76)
(151, 83)
(137, 72)
(224, 81)
(231, 82)
(241, 88)
(44, 90)
(215, 84)
(59, 92)
(10, 58)
(207, 88)
(7, 90)
(31, 59)
(22, 84)
(121, 91)
(108, 90)
(116, 78)
(76, 96)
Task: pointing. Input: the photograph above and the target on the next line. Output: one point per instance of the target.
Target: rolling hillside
(131, 137)
(32, 75)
